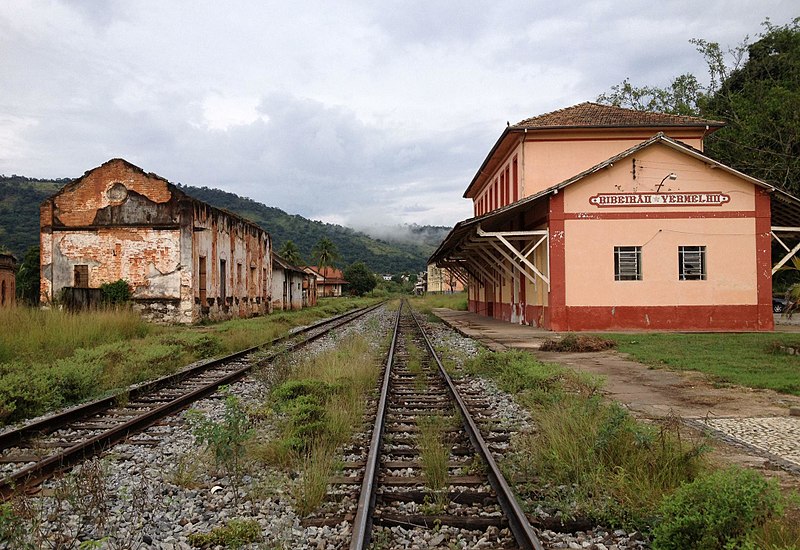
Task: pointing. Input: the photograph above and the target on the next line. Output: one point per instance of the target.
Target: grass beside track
(753, 360)
(50, 358)
(425, 303)
(589, 458)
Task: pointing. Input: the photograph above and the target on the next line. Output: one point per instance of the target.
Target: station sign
(659, 199)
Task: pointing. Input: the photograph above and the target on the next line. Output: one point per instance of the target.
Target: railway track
(427, 463)
(31, 453)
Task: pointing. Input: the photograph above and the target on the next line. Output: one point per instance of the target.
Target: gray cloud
(360, 113)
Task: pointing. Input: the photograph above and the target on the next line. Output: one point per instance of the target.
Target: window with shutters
(627, 263)
(692, 263)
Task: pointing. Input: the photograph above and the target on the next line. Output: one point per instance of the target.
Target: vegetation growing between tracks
(590, 459)
(51, 358)
(322, 402)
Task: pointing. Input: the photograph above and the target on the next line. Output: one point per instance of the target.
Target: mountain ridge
(20, 197)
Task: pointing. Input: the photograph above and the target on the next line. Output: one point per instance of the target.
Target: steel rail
(518, 522)
(362, 523)
(47, 424)
(35, 473)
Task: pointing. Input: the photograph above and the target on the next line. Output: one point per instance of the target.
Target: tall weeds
(589, 457)
(29, 334)
(434, 455)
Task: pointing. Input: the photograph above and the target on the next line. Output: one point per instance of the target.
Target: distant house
(442, 280)
(183, 259)
(330, 281)
(8, 291)
(287, 284)
(596, 217)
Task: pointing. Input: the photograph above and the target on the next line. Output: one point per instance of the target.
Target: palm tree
(291, 253)
(325, 254)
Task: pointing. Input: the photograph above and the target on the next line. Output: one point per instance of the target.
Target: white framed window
(627, 263)
(691, 263)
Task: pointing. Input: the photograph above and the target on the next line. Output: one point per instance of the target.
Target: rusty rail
(518, 522)
(362, 524)
(59, 461)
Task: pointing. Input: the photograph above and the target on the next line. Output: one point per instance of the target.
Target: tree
(325, 253)
(361, 279)
(27, 280)
(291, 253)
(754, 88)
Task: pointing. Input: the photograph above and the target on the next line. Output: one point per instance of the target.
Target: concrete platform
(500, 335)
(494, 334)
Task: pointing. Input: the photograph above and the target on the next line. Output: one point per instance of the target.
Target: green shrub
(77, 378)
(235, 534)
(117, 292)
(717, 511)
(293, 389)
(25, 392)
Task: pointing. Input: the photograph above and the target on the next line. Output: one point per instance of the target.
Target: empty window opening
(627, 263)
(2, 293)
(222, 285)
(692, 263)
(81, 276)
(201, 276)
(252, 286)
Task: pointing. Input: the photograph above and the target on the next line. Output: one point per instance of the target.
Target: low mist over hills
(388, 250)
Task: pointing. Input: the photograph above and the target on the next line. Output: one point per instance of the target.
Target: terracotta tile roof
(331, 274)
(595, 115)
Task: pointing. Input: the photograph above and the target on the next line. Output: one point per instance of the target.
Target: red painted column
(558, 291)
(764, 260)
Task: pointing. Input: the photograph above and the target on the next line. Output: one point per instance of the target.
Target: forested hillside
(20, 198)
(382, 256)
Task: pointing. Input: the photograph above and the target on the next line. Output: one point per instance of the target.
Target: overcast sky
(358, 113)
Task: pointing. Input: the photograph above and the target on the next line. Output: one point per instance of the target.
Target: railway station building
(596, 217)
(183, 259)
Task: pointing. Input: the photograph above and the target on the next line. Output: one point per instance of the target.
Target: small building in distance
(287, 284)
(441, 280)
(330, 281)
(183, 259)
(8, 288)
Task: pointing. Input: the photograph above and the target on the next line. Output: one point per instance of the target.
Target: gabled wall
(118, 222)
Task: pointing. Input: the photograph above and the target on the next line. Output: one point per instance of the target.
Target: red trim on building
(659, 215)
(701, 318)
(558, 289)
(537, 316)
(764, 259)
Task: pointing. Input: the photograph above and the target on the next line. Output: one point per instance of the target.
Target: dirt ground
(649, 393)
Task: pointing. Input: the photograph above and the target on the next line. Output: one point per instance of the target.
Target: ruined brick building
(183, 259)
(7, 280)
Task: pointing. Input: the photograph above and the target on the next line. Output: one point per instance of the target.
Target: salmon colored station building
(596, 217)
